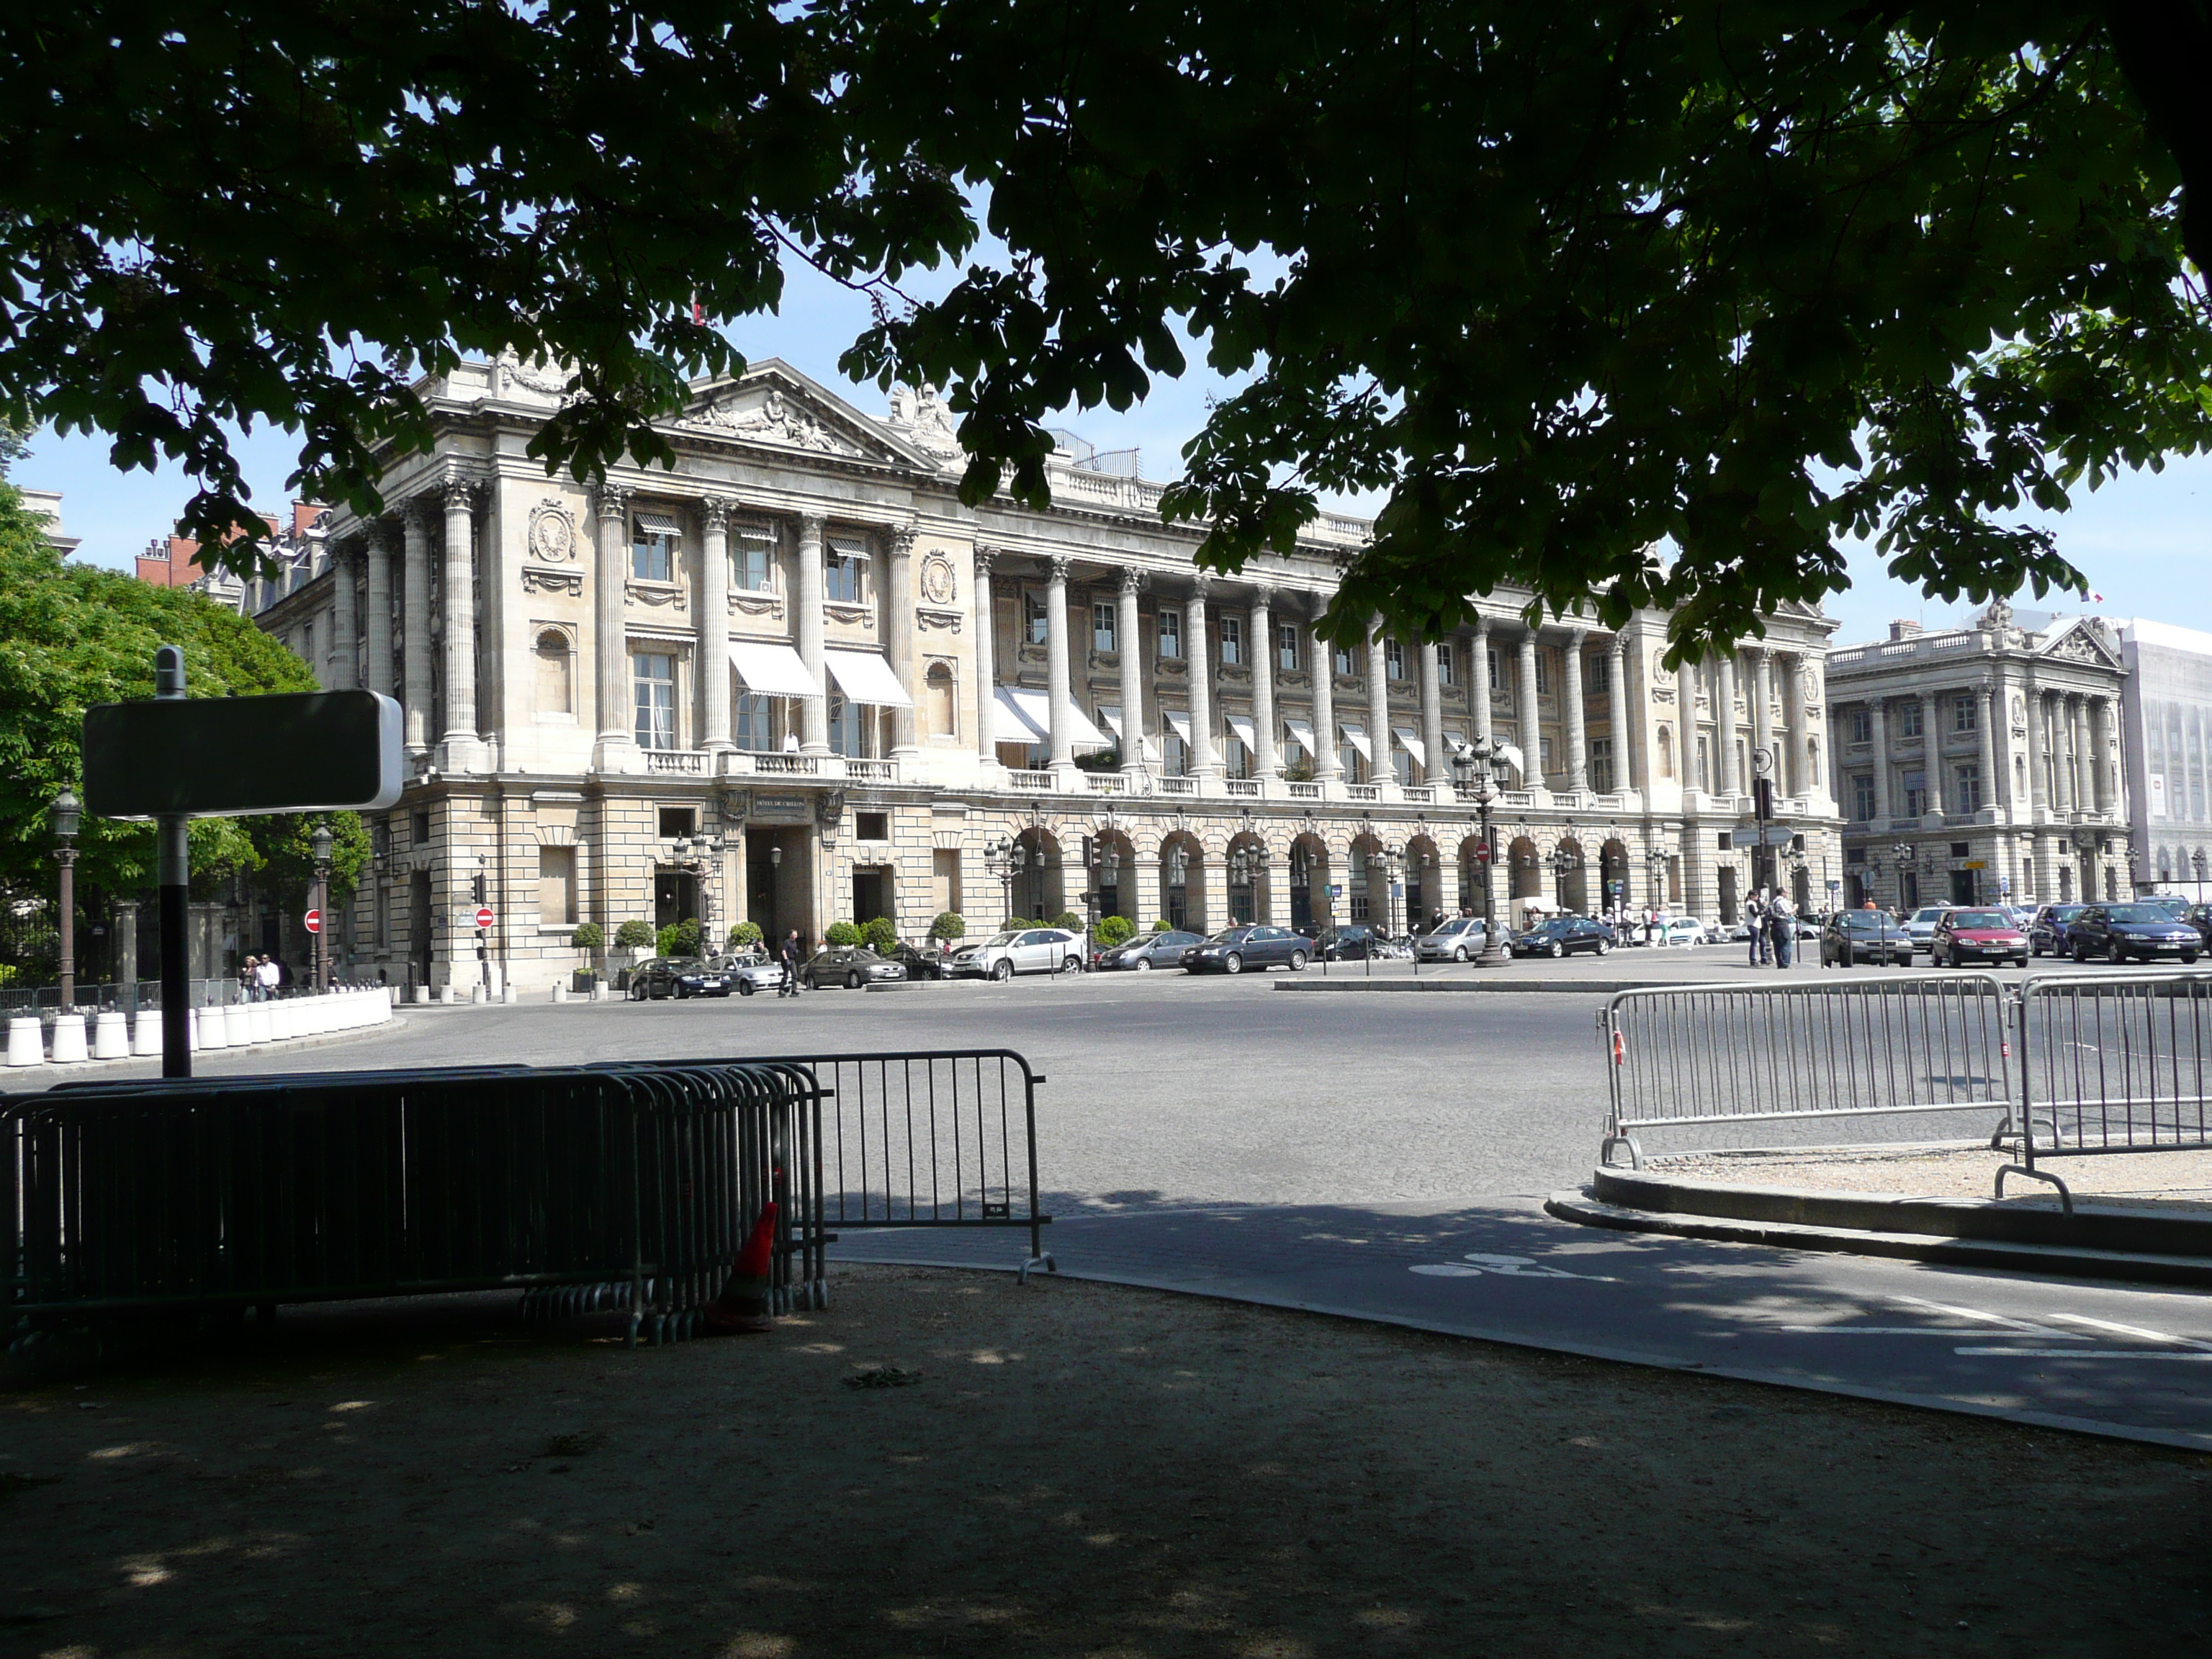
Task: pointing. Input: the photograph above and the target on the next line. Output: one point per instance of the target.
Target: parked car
(920, 964)
(2146, 931)
(1149, 950)
(1977, 935)
(2199, 916)
(1355, 941)
(2172, 903)
(1458, 939)
(1561, 936)
(662, 977)
(1255, 946)
(1681, 930)
(1021, 951)
(748, 972)
(2047, 934)
(1921, 926)
(853, 966)
(1852, 937)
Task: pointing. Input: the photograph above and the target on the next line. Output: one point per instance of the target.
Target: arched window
(555, 675)
(937, 701)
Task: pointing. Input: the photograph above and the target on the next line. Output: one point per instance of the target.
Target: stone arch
(1310, 866)
(1571, 886)
(1525, 877)
(1425, 878)
(1665, 751)
(1181, 892)
(1614, 888)
(940, 700)
(1472, 870)
(1367, 880)
(1040, 890)
(1115, 879)
(1244, 873)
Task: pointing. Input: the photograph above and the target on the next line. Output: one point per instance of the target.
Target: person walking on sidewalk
(1782, 924)
(791, 955)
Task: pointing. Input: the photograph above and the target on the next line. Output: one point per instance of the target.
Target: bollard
(508, 994)
(599, 990)
(68, 1039)
(191, 1031)
(111, 1037)
(146, 1035)
(257, 1023)
(27, 1044)
(280, 1021)
(214, 1027)
(479, 993)
(560, 992)
(419, 993)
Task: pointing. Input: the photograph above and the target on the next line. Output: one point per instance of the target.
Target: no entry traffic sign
(484, 916)
(314, 920)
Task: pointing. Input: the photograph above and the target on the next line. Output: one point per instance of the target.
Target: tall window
(308, 645)
(1394, 659)
(1104, 634)
(1597, 673)
(754, 725)
(1544, 749)
(1232, 641)
(556, 885)
(1447, 664)
(1038, 624)
(1402, 765)
(1908, 724)
(1170, 632)
(655, 538)
(1497, 680)
(752, 559)
(847, 727)
(1355, 764)
(1543, 671)
(1862, 797)
(1286, 648)
(1600, 765)
(556, 683)
(1862, 726)
(652, 675)
(1237, 759)
(1343, 655)
(1969, 790)
(842, 566)
(1174, 754)
(1962, 716)
(1916, 794)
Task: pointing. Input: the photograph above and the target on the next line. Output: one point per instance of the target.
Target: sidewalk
(2179, 1180)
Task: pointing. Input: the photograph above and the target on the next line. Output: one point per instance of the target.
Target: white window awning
(771, 671)
(1242, 726)
(657, 524)
(1179, 721)
(865, 677)
(1032, 711)
(845, 549)
(1113, 719)
(1302, 735)
(1414, 745)
(1357, 737)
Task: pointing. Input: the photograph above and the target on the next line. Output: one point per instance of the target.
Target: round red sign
(483, 915)
(314, 922)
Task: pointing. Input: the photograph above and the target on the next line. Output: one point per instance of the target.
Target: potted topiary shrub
(634, 943)
(948, 926)
(1112, 931)
(591, 939)
(744, 936)
(1068, 920)
(879, 935)
(840, 933)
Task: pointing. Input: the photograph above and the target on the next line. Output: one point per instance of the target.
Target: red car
(1966, 936)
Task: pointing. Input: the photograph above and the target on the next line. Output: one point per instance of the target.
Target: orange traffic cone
(743, 1304)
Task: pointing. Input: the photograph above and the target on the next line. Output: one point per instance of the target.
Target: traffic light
(1762, 795)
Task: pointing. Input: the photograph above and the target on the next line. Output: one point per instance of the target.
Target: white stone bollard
(68, 1039)
(419, 993)
(146, 1034)
(508, 994)
(479, 993)
(111, 1037)
(217, 1021)
(27, 1043)
(560, 993)
(599, 990)
(258, 1030)
(192, 1030)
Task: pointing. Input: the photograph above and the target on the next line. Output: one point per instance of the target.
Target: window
(556, 886)
(1862, 797)
(1402, 765)
(556, 681)
(1916, 794)
(1343, 655)
(1963, 715)
(752, 560)
(754, 726)
(1862, 726)
(1104, 636)
(653, 678)
(847, 727)
(308, 645)
(1236, 761)
(871, 826)
(842, 567)
(1286, 648)
(1447, 665)
(1497, 680)
(419, 831)
(676, 821)
(1543, 672)
(1355, 768)
(1544, 750)
(1170, 627)
(653, 540)
(1174, 754)
(1597, 673)
(1232, 641)
(1600, 765)
(1908, 724)
(937, 701)
(1394, 659)
(1969, 790)
(1039, 626)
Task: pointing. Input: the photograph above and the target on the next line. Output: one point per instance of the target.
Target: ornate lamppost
(320, 843)
(1902, 856)
(1006, 859)
(1243, 865)
(1481, 766)
(1178, 875)
(1102, 863)
(701, 853)
(64, 817)
(1561, 863)
(2200, 862)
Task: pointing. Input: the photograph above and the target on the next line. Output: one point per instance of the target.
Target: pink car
(1966, 936)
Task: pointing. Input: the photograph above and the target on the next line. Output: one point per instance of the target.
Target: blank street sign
(211, 757)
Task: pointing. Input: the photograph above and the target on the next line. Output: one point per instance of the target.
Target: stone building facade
(2168, 704)
(1982, 764)
(800, 645)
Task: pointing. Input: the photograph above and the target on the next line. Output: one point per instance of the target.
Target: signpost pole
(176, 875)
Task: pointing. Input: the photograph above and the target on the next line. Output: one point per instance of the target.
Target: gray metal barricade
(1766, 1052)
(2110, 1063)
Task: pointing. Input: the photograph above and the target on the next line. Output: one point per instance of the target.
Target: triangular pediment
(2077, 639)
(775, 405)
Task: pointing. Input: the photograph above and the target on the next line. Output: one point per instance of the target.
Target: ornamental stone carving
(535, 580)
(552, 533)
(747, 601)
(938, 583)
(1661, 674)
(950, 621)
(656, 594)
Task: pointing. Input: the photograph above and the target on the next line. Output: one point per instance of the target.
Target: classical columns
(1931, 754)
(460, 740)
(898, 636)
(1685, 731)
(1570, 676)
(1060, 729)
(1878, 731)
(2038, 788)
(415, 625)
(610, 642)
(1265, 761)
(1378, 703)
(2062, 708)
(345, 623)
(813, 712)
(985, 621)
(2101, 752)
(1326, 763)
(1198, 645)
(1762, 712)
(1627, 772)
(1527, 719)
(1797, 772)
(1438, 767)
(1482, 726)
(1990, 711)
(378, 601)
(1724, 723)
(714, 601)
(1125, 635)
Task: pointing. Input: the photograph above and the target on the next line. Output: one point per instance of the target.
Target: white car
(1020, 951)
(749, 973)
(1459, 939)
(1681, 930)
(1920, 927)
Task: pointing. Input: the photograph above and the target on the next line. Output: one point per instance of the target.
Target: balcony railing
(1305, 792)
(1363, 791)
(1030, 780)
(1178, 786)
(682, 763)
(1106, 783)
(778, 764)
(872, 771)
(1423, 794)
(1248, 788)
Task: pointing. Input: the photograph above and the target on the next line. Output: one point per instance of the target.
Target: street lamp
(1101, 863)
(2200, 862)
(319, 844)
(1902, 853)
(1560, 862)
(701, 853)
(2133, 885)
(64, 817)
(1006, 859)
(1481, 767)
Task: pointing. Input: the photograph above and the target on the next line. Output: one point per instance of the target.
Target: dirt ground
(1077, 1470)
(2167, 1181)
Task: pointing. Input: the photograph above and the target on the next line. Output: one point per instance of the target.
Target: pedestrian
(1755, 913)
(791, 955)
(249, 980)
(1782, 923)
(270, 977)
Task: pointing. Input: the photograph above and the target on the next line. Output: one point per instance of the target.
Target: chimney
(1904, 630)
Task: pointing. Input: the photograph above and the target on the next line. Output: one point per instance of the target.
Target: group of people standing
(1773, 920)
(260, 978)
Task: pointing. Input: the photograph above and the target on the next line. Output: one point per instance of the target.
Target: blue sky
(2144, 540)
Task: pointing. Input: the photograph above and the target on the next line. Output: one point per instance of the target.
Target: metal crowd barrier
(939, 1138)
(1762, 1052)
(2110, 1063)
(629, 1186)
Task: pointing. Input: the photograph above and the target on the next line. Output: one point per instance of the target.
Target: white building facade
(2168, 713)
(800, 646)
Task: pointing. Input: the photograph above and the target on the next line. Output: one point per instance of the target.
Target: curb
(1566, 987)
(2046, 1260)
(111, 1067)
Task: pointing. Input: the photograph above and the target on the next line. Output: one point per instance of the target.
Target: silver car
(749, 974)
(1920, 927)
(1459, 939)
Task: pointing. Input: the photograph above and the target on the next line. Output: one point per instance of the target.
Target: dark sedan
(1562, 936)
(676, 976)
(920, 964)
(2144, 932)
(852, 966)
(1853, 937)
(2200, 918)
(1258, 948)
(1353, 942)
(1149, 950)
(2047, 934)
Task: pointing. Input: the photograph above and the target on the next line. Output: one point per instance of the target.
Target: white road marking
(2191, 1355)
(1506, 1266)
(2026, 1328)
(2134, 1330)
